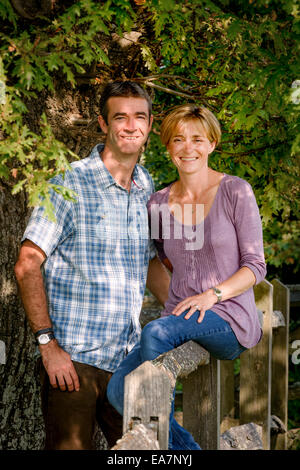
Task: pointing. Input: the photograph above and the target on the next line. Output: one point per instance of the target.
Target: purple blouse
(231, 238)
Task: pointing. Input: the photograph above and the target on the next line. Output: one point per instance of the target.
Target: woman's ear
(212, 146)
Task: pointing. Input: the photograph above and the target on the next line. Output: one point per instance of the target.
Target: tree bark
(21, 424)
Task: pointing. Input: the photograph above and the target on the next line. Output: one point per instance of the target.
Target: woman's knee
(154, 340)
(114, 394)
(153, 332)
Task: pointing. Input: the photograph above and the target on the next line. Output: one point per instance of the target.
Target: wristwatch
(44, 336)
(218, 293)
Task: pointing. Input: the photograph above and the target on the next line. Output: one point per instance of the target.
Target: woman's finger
(201, 316)
(185, 304)
(179, 310)
(192, 310)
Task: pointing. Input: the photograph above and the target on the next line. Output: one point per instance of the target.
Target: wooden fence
(208, 387)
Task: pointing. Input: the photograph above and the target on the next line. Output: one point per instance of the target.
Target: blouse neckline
(210, 210)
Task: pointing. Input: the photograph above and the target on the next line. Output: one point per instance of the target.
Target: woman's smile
(189, 146)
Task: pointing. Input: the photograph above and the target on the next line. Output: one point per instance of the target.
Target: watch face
(43, 339)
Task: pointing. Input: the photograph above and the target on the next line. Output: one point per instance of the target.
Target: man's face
(128, 124)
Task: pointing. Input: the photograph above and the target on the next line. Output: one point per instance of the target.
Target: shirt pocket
(110, 223)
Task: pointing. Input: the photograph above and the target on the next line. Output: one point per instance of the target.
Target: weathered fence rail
(208, 388)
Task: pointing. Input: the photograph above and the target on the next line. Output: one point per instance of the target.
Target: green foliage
(29, 60)
(242, 62)
(238, 58)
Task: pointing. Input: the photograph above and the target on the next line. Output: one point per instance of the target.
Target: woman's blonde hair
(190, 112)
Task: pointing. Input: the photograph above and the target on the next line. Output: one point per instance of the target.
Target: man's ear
(102, 124)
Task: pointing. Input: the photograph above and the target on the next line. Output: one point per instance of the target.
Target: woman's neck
(194, 185)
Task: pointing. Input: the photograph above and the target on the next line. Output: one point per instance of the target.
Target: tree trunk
(21, 421)
(21, 425)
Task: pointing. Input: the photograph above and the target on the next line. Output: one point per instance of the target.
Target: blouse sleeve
(249, 230)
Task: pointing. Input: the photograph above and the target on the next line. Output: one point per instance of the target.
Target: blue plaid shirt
(97, 260)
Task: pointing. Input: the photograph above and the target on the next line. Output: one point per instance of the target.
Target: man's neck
(120, 166)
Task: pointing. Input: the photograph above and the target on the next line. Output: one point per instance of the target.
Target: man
(82, 278)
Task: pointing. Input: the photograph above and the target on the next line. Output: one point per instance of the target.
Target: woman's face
(189, 147)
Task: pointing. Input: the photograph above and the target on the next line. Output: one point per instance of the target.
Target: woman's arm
(247, 223)
(235, 285)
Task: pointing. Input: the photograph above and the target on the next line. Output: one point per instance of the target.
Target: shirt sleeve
(249, 231)
(45, 233)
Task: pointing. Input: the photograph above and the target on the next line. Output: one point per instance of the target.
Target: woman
(207, 226)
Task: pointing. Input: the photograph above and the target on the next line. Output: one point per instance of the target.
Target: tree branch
(249, 152)
(167, 90)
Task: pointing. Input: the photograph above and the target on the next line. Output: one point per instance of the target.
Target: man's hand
(201, 302)
(59, 367)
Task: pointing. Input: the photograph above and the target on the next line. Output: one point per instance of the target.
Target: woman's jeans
(164, 334)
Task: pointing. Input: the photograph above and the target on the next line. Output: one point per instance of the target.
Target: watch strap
(41, 332)
(218, 293)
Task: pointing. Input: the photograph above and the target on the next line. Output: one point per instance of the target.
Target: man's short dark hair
(122, 89)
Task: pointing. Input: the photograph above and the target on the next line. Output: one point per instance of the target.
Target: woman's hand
(201, 302)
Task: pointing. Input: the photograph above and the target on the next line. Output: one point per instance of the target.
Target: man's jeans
(164, 334)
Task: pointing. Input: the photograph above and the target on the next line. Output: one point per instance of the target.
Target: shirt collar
(106, 178)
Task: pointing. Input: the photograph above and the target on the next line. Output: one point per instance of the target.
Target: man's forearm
(57, 362)
(158, 280)
(31, 285)
(32, 292)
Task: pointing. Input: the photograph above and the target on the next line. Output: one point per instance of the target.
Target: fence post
(201, 405)
(227, 389)
(255, 369)
(147, 400)
(280, 362)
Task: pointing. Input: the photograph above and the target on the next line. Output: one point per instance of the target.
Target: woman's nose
(188, 146)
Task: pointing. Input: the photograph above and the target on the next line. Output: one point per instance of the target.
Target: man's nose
(130, 125)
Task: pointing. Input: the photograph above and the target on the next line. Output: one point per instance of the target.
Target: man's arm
(158, 280)
(57, 362)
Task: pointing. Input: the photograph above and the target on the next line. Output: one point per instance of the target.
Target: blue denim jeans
(164, 334)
